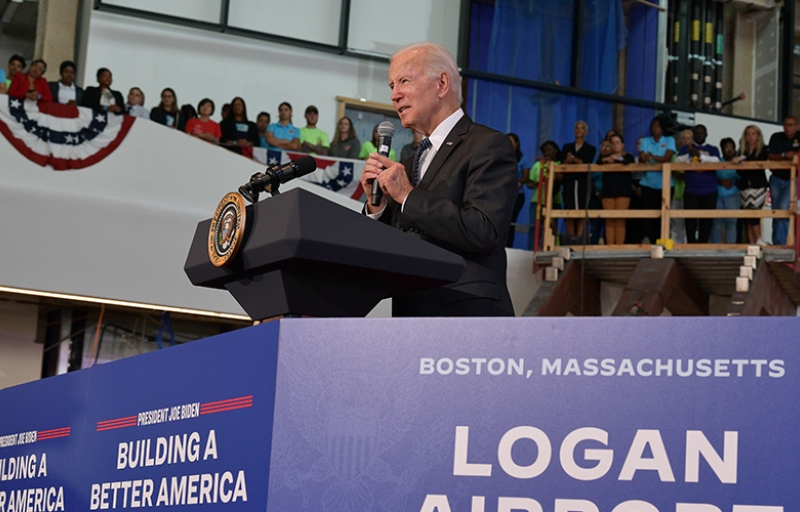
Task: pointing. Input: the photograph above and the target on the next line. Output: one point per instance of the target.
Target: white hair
(437, 60)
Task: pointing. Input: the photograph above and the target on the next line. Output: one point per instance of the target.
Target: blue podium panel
(190, 425)
(181, 428)
(423, 415)
(41, 427)
(583, 415)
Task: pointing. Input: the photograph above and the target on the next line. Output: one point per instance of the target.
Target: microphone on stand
(385, 133)
(732, 100)
(275, 175)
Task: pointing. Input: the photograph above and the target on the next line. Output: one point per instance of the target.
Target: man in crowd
(457, 192)
(782, 146)
(312, 139)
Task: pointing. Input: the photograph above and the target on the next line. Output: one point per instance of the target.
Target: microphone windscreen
(386, 129)
(305, 165)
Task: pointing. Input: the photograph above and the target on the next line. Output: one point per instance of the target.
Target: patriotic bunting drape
(61, 136)
(340, 175)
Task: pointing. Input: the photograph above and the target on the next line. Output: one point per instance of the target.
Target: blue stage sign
(423, 415)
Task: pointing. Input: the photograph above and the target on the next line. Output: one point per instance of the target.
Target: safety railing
(666, 213)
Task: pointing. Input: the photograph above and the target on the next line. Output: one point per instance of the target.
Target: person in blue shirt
(283, 134)
(727, 196)
(657, 148)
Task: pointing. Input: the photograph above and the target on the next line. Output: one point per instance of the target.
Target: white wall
(199, 64)
(720, 127)
(121, 229)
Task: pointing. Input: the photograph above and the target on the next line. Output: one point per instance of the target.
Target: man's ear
(443, 84)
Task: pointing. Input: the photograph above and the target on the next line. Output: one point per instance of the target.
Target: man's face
(68, 75)
(700, 134)
(135, 97)
(312, 118)
(14, 67)
(415, 95)
(790, 127)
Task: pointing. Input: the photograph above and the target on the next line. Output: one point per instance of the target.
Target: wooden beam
(765, 298)
(566, 295)
(659, 284)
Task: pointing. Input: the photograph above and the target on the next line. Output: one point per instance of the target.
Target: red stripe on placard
(44, 435)
(127, 421)
(231, 404)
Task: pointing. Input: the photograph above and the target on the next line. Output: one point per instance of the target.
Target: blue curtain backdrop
(533, 39)
(641, 73)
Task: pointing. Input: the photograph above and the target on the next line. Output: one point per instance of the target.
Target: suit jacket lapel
(450, 142)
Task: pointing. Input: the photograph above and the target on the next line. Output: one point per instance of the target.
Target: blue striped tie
(423, 146)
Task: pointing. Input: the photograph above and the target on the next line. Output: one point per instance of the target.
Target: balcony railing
(666, 213)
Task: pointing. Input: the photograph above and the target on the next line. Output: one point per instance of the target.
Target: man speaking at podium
(457, 192)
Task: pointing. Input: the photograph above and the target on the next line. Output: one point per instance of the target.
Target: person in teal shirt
(657, 148)
(372, 147)
(727, 196)
(283, 134)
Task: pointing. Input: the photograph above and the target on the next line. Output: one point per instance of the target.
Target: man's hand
(392, 179)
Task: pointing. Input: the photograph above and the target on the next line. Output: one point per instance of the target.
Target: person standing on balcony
(657, 148)
(782, 146)
(752, 182)
(701, 186)
(575, 184)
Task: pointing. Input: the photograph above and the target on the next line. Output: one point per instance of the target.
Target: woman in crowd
(135, 105)
(167, 111)
(31, 85)
(283, 134)
(16, 64)
(203, 127)
(536, 182)
(753, 183)
(523, 169)
(657, 148)
(616, 186)
(372, 147)
(237, 130)
(65, 91)
(103, 97)
(345, 143)
(727, 196)
(575, 184)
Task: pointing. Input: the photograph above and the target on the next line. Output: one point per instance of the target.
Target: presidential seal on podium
(226, 233)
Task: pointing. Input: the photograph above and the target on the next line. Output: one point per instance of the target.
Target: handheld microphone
(275, 175)
(385, 133)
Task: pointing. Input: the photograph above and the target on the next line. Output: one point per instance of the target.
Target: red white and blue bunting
(341, 175)
(61, 136)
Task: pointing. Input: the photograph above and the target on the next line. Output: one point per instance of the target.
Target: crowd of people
(731, 188)
(235, 131)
